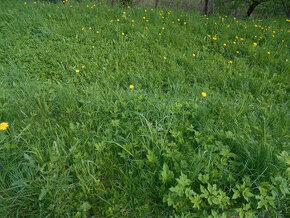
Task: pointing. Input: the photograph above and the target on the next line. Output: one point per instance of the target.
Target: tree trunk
(252, 8)
(286, 8)
(112, 2)
(206, 7)
(156, 3)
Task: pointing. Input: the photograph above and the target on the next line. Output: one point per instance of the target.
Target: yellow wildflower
(77, 71)
(193, 55)
(230, 62)
(3, 126)
(131, 86)
(203, 94)
(255, 44)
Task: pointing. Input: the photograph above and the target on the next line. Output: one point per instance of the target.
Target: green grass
(85, 144)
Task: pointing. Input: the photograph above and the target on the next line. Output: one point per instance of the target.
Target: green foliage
(83, 142)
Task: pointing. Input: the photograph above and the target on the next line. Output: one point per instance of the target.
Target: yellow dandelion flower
(3, 126)
(34, 2)
(237, 37)
(237, 52)
(268, 52)
(83, 28)
(242, 39)
(193, 55)
(163, 28)
(25, 3)
(225, 44)
(97, 31)
(118, 20)
(146, 27)
(184, 23)
(234, 42)
(286, 60)
(165, 58)
(144, 18)
(77, 71)
(178, 20)
(123, 33)
(124, 12)
(128, 6)
(203, 94)
(90, 28)
(230, 62)
(255, 44)
(83, 66)
(131, 86)
(132, 21)
(214, 38)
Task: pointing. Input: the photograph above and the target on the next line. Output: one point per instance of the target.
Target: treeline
(242, 8)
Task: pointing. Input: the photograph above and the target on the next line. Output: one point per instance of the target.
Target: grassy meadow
(140, 112)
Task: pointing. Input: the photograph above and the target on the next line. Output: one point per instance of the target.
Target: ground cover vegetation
(136, 112)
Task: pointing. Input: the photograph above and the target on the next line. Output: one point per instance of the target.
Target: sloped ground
(139, 112)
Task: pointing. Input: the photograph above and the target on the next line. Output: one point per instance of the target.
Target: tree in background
(286, 7)
(156, 3)
(206, 3)
(253, 5)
